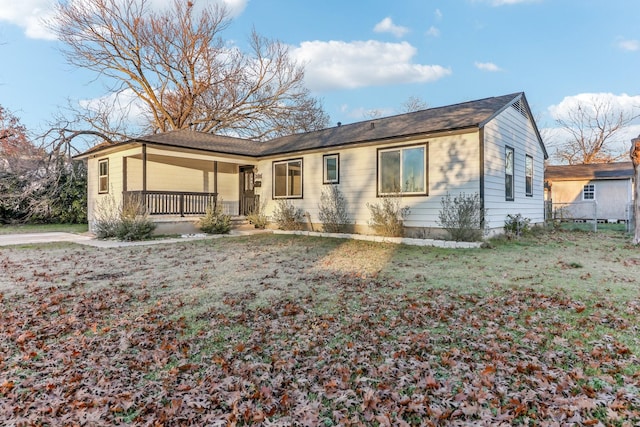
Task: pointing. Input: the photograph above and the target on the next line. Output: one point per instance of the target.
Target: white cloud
(387, 26)
(630, 45)
(31, 14)
(125, 107)
(28, 14)
(487, 66)
(433, 32)
(623, 103)
(341, 65)
(438, 14)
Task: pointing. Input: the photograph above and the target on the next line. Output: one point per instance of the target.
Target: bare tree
(374, 113)
(593, 126)
(183, 72)
(413, 103)
(635, 159)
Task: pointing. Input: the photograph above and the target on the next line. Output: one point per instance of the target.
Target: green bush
(333, 210)
(135, 228)
(258, 216)
(387, 218)
(107, 217)
(286, 216)
(462, 217)
(215, 222)
(129, 222)
(516, 226)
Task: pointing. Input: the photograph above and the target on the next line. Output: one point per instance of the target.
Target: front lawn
(289, 330)
(42, 228)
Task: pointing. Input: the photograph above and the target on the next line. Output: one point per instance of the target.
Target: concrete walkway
(90, 240)
(48, 237)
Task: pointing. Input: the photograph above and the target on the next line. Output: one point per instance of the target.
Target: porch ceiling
(199, 164)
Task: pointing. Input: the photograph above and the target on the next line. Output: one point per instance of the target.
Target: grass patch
(43, 228)
(307, 330)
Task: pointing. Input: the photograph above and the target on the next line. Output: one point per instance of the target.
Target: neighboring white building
(490, 146)
(600, 191)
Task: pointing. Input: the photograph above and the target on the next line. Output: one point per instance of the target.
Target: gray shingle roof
(205, 141)
(472, 114)
(619, 170)
(448, 118)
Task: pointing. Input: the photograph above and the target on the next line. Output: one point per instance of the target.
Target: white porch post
(144, 168)
(215, 176)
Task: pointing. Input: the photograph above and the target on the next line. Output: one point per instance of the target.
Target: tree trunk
(635, 158)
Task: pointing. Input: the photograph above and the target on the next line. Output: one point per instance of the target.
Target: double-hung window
(103, 176)
(287, 179)
(528, 175)
(508, 173)
(402, 169)
(331, 169)
(589, 192)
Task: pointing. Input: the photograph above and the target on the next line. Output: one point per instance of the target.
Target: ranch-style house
(489, 146)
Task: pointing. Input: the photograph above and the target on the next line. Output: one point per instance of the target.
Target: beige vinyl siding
(196, 177)
(167, 170)
(228, 182)
(453, 166)
(511, 128)
(612, 197)
(167, 177)
(115, 181)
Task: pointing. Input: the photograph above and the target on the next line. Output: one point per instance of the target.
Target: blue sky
(373, 55)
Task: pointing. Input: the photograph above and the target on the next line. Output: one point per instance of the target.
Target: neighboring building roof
(620, 170)
(467, 115)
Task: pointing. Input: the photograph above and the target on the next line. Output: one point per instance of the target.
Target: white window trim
(592, 191)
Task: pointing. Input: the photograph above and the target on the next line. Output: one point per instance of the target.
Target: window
(508, 173)
(589, 192)
(402, 170)
(330, 169)
(528, 175)
(248, 180)
(103, 176)
(287, 179)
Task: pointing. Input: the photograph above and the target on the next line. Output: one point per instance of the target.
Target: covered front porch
(178, 184)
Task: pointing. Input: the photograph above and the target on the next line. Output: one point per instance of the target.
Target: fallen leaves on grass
(380, 356)
(85, 342)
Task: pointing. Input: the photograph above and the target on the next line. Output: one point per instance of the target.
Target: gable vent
(520, 108)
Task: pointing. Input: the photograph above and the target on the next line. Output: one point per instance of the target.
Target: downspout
(482, 206)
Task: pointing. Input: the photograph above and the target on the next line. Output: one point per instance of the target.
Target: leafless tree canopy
(593, 126)
(413, 103)
(177, 64)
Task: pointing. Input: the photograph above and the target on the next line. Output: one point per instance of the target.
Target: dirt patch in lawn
(283, 330)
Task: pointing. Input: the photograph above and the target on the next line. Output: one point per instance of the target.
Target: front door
(247, 195)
